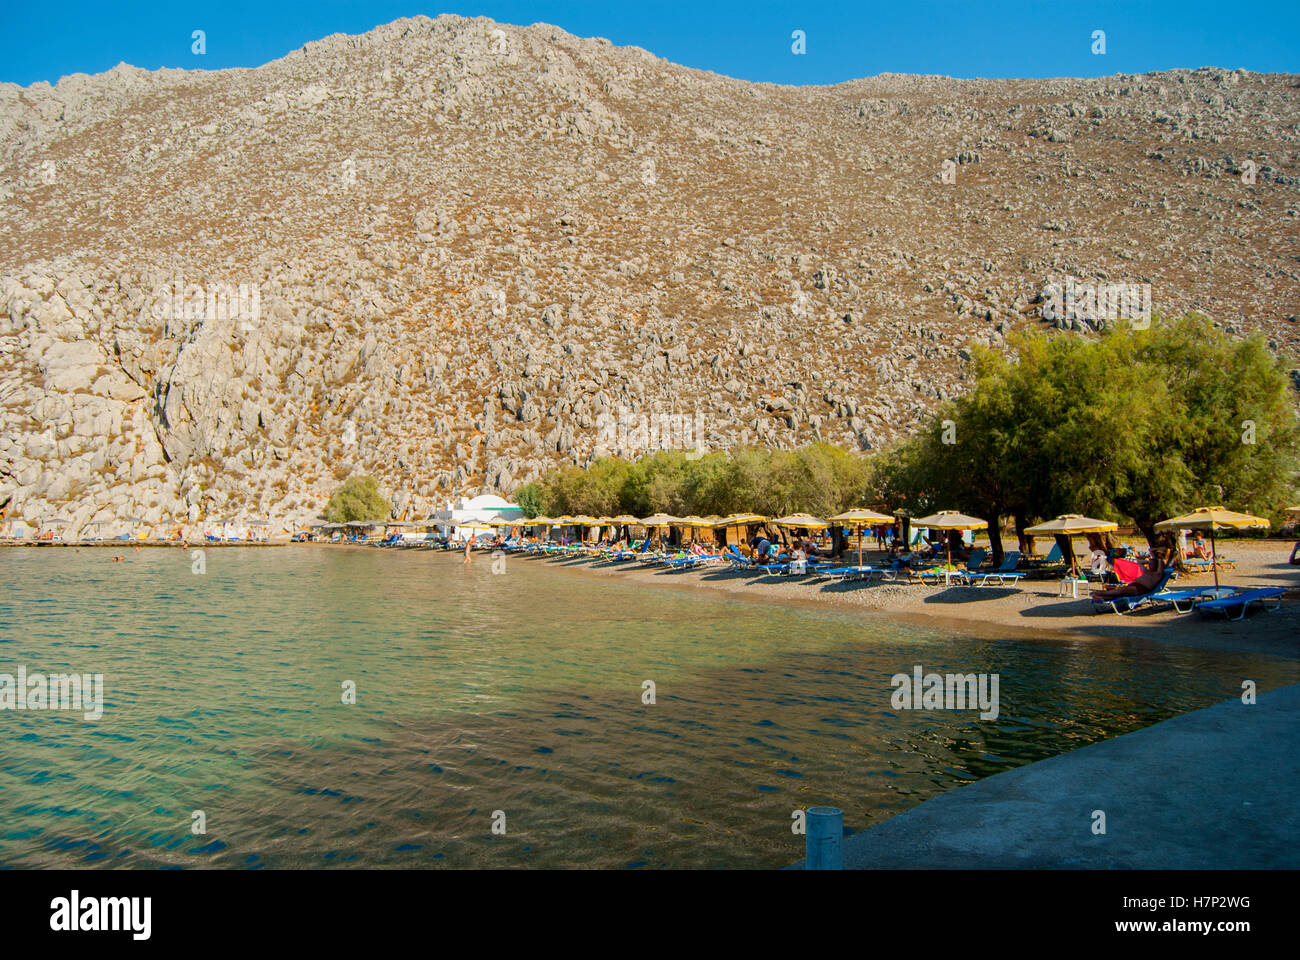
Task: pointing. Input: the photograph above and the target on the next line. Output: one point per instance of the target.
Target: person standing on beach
(468, 541)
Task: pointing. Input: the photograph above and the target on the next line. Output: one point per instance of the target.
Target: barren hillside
(462, 243)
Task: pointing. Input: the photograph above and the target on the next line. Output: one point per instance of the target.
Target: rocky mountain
(451, 253)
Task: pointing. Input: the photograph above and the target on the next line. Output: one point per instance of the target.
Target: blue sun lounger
(1239, 603)
(857, 573)
(737, 559)
(1122, 605)
(1190, 598)
(998, 575)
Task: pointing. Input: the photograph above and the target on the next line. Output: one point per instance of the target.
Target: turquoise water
(519, 693)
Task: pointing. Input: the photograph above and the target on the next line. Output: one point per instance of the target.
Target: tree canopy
(1137, 424)
(815, 478)
(358, 498)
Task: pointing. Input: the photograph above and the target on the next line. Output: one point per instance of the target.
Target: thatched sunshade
(803, 520)
(1213, 518)
(739, 520)
(1070, 525)
(860, 517)
(695, 524)
(950, 520)
(658, 520)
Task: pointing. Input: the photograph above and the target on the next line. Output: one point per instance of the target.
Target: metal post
(824, 839)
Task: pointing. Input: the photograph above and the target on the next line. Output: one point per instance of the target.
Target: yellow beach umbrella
(1214, 518)
(739, 520)
(622, 520)
(860, 517)
(736, 521)
(694, 523)
(802, 520)
(1068, 525)
(950, 520)
(584, 523)
(658, 520)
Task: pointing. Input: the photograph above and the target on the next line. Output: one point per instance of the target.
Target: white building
(488, 508)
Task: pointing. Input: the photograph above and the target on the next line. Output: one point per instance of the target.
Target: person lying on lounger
(1155, 569)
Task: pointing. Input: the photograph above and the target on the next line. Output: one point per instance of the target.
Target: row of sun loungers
(1226, 601)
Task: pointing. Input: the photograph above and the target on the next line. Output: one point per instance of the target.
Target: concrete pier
(1215, 789)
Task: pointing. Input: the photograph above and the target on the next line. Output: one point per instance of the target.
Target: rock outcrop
(448, 252)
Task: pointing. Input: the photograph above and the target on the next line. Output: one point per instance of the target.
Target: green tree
(1228, 431)
(358, 498)
(1137, 423)
(531, 498)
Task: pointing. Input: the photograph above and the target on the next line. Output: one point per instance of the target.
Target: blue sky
(751, 40)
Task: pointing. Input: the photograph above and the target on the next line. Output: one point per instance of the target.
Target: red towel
(1127, 571)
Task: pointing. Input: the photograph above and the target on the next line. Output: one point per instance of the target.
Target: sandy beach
(1032, 608)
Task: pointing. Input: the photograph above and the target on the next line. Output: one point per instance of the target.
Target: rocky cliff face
(466, 248)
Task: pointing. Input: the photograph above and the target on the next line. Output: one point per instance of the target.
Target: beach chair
(1054, 556)
(858, 573)
(739, 561)
(1184, 600)
(1123, 605)
(801, 568)
(1235, 606)
(957, 573)
(630, 552)
(1002, 574)
(912, 573)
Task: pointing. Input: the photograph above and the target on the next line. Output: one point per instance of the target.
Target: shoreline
(1032, 609)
